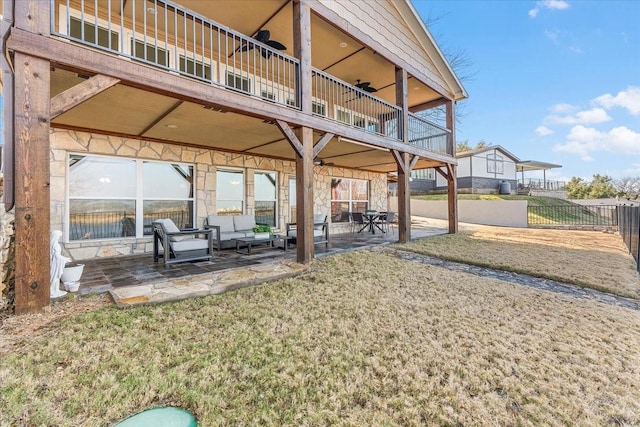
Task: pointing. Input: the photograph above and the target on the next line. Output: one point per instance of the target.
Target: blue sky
(555, 80)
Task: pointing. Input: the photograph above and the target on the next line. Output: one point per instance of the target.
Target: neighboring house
(126, 111)
(491, 169)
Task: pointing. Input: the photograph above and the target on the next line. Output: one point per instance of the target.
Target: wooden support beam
(404, 197)
(79, 93)
(302, 51)
(428, 105)
(291, 136)
(452, 197)
(402, 101)
(32, 206)
(412, 163)
(322, 142)
(304, 134)
(442, 173)
(451, 124)
(304, 197)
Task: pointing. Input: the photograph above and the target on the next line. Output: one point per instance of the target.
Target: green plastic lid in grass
(166, 416)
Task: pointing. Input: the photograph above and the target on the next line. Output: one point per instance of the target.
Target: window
(76, 30)
(229, 192)
(318, 108)
(422, 174)
(265, 197)
(343, 116)
(348, 195)
(268, 95)
(167, 191)
(237, 81)
(495, 164)
(117, 197)
(150, 52)
(195, 68)
(292, 200)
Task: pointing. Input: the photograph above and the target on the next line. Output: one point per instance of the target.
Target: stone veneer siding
(206, 162)
(7, 261)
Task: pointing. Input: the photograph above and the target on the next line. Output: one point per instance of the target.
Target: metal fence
(629, 227)
(604, 215)
(105, 225)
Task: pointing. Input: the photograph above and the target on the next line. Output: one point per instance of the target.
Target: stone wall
(206, 164)
(7, 261)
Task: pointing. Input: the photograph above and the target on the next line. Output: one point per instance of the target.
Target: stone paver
(202, 285)
(521, 279)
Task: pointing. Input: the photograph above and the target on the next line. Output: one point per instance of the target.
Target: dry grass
(590, 259)
(361, 339)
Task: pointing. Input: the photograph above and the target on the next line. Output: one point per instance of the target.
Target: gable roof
(500, 148)
(425, 38)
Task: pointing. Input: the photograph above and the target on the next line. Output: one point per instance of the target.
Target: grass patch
(363, 338)
(533, 200)
(585, 258)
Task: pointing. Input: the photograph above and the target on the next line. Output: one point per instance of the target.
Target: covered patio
(111, 274)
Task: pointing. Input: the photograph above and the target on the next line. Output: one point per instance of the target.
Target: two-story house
(121, 111)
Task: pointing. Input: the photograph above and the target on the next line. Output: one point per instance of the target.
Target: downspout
(9, 111)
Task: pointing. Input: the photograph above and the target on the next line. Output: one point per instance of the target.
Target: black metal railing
(629, 228)
(603, 215)
(108, 225)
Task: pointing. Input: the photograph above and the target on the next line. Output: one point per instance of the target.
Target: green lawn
(361, 339)
(533, 200)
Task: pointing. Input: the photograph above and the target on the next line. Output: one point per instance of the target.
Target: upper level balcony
(352, 85)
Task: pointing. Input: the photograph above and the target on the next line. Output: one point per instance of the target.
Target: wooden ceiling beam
(79, 93)
(291, 136)
(322, 143)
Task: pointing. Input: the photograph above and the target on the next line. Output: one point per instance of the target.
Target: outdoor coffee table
(248, 242)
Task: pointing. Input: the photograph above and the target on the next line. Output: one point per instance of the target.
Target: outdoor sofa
(227, 227)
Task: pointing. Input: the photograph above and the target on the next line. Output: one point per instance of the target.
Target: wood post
(452, 197)
(32, 205)
(31, 163)
(404, 195)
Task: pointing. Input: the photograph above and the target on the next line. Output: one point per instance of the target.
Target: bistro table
(370, 221)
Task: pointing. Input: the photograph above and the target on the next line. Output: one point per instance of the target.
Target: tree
(463, 146)
(600, 187)
(577, 188)
(628, 187)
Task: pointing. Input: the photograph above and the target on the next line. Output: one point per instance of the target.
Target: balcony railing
(430, 136)
(345, 103)
(540, 184)
(162, 34)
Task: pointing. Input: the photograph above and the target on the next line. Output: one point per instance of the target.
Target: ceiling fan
(264, 36)
(320, 162)
(365, 86)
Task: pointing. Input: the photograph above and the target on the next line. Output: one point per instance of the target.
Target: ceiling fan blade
(369, 89)
(276, 45)
(362, 85)
(246, 47)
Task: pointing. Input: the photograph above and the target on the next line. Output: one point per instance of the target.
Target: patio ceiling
(129, 111)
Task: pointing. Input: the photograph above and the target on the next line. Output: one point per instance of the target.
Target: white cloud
(629, 99)
(575, 49)
(586, 117)
(543, 131)
(563, 108)
(583, 141)
(552, 34)
(548, 4)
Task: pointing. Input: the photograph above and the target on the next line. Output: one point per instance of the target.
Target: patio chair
(320, 230)
(180, 245)
(357, 221)
(386, 222)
